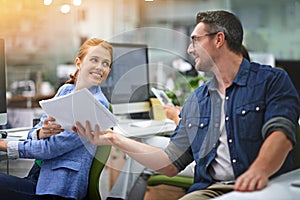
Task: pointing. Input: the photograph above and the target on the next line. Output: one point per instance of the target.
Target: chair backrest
(98, 164)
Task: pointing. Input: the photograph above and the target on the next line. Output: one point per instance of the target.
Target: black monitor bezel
(3, 100)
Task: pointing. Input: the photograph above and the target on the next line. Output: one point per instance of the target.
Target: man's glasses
(195, 38)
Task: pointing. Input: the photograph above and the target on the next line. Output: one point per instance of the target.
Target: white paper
(78, 106)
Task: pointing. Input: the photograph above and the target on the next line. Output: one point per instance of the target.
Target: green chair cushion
(179, 181)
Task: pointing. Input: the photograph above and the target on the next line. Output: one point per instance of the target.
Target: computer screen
(127, 85)
(292, 67)
(3, 110)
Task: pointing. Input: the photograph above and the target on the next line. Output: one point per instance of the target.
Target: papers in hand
(78, 106)
(162, 97)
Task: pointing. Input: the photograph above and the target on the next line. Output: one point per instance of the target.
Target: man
(239, 127)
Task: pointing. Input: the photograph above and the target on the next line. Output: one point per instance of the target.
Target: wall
(39, 37)
(271, 26)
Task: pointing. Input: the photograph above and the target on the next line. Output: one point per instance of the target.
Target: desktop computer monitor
(3, 110)
(127, 86)
(292, 67)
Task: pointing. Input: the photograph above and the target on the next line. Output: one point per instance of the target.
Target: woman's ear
(77, 63)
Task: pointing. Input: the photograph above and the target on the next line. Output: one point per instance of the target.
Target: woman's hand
(49, 128)
(97, 137)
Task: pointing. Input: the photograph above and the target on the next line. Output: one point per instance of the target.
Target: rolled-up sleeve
(280, 124)
(13, 150)
(178, 157)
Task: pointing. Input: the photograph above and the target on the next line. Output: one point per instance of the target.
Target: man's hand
(251, 180)
(143, 153)
(269, 160)
(49, 128)
(97, 137)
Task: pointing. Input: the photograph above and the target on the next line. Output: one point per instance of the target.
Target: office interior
(42, 38)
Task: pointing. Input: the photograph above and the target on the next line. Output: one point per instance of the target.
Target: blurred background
(42, 36)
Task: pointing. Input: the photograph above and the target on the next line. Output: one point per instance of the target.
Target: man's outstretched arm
(149, 156)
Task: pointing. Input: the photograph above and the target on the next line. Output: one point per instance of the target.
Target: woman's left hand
(49, 128)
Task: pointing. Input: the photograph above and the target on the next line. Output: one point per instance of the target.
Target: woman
(66, 158)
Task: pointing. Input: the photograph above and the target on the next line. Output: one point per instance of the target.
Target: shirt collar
(212, 85)
(243, 73)
(240, 78)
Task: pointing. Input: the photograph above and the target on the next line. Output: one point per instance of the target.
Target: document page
(78, 106)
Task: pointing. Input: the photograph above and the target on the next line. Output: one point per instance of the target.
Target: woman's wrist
(3, 146)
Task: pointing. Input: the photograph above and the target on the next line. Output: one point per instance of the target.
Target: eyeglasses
(195, 38)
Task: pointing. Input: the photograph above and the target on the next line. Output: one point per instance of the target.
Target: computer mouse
(3, 134)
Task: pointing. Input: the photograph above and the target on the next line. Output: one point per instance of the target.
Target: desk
(17, 134)
(279, 188)
(136, 128)
(14, 134)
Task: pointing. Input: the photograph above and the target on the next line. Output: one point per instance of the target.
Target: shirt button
(257, 108)
(216, 125)
(234, 160)
(227, 97)
(227, 118)
(243, 112)
(230, 140)
(201, 125)
(190, 125)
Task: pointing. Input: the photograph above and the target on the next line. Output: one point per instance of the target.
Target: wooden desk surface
(20, 101)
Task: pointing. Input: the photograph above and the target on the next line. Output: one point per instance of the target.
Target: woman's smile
(96, 75)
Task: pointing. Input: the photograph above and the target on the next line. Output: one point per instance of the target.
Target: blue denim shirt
(261, 99)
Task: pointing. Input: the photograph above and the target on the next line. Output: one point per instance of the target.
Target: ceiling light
(65, 8)
(76, 2)
(47, 2)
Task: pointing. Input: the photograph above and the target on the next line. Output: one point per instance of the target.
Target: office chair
(178, 181)
(98, 164)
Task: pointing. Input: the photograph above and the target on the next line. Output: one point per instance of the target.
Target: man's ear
(220, 39)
